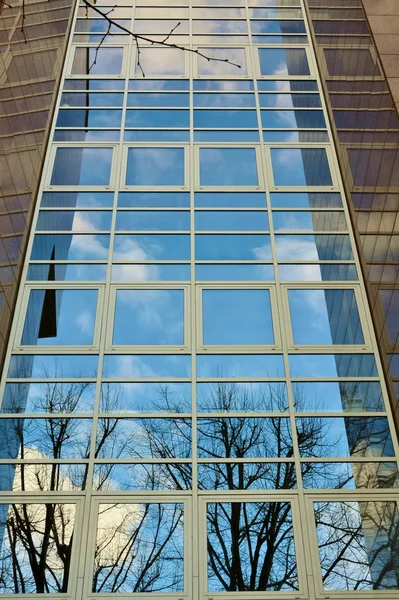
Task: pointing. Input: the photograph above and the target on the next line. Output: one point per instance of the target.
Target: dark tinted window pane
(82, 166)
(283, 61)
(325, 317)
(60, 317)
(307, 167)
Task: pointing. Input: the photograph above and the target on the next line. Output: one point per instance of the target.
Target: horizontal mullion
(143, 415)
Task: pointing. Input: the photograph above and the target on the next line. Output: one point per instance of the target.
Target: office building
(198, 393)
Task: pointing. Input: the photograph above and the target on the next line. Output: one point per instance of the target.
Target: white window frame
(277, 496)
(94, 46)
(141, 498)
(150, 348)
(48, 187)
(50, 349)
(366, 347)
(309, 57)
(11, 498)
(155, 188)
(295, 188)
(381, 495)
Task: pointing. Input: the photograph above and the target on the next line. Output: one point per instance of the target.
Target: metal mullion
(141, 461)
(256, 460)
(124, 414)
(347, 459)
(240, 414)
(44, 461)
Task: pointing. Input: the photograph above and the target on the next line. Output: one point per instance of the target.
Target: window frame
(225, 146)
(275, 496)
(366, 495)
(203, 348)
(77, 499)
(150, 348)
(94, 46)
(217, 46)
(143, 497)
(21, 314)
(123, 186)
(335, 187)
(305, 47)
(48, 186)
(325, 348)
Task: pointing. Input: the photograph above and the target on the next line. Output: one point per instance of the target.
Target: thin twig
(23, 21)
(108, 32)
(137, 37)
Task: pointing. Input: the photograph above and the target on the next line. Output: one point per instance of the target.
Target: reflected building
(198, 387)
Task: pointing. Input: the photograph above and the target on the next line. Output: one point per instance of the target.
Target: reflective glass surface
(228, 167)
(237, 317)
(82, 166)
(307, 167)
(253, 534)
(360, 538)
(60, 317)
(144, 317)
(283, 61)
(155, 166)
(325, 317)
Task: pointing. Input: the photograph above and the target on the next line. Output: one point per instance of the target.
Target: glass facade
(193, 401)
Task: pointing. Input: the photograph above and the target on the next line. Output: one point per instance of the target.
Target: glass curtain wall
(193, 402)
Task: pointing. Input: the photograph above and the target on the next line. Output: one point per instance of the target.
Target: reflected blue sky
(155, 166)
(82, 166)
(237, 317)
(325, 317)
(146, 366)
(228, 167)
(149, 317)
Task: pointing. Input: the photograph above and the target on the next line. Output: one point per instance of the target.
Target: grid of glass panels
(193, 366)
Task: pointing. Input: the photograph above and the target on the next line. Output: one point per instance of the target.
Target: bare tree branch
(142, 38)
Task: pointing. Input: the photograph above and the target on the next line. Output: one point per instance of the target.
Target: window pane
(77, 199)
(149, 317)
(344, 436)
(240, 365)
(49, 397)
(230, 200)
(338, 396)
(161, 61)
(157, 99)
(152, 221)
(233, 55)
(151, 247)
(305, 200)
(64, 317)
(232, 247)
(323, 272)
(153, 199)
(239, 437)
(47, 366)
(51, 526)
(82, 166)
(355, 475)
(229, 119)
(89, 118)
(157, 118)
(237, 317)
(147, 397)
(155, 166)
(238, 530)
(234, 272)
(125, 477)
(231, 221)
(151, 533)
(325, 317)
(311, 221)
(146, 272)
(280, 119)
(307, 166)
(290, 100)
(333, 365)
(245, 476)
(97, 61)
(246, 397)
(48, 438)
(70, 247)
(313, 247)
(228, 167)
(360, 541)
(146, 366)
(283, 61)
(74, 220)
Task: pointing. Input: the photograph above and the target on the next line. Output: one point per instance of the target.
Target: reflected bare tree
(140, 546)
